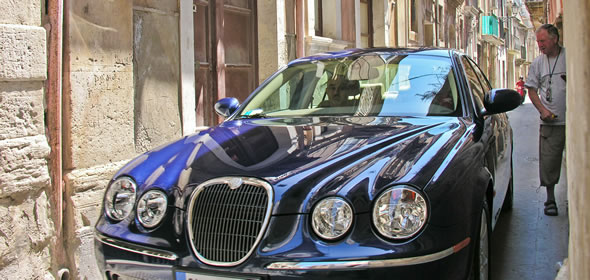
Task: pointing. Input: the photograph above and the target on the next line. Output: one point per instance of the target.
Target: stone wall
(26, 227)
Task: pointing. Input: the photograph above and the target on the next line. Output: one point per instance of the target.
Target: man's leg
(551, 146)
(550, 193)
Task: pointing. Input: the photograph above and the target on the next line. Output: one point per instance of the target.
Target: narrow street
(527, 245)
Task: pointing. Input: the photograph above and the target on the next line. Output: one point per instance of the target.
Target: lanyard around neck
(554, 65)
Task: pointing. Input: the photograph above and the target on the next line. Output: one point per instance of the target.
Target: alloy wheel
(484, 249)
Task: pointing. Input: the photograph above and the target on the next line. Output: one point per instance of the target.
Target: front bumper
(120, 259)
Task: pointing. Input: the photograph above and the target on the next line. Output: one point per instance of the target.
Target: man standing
(546, 84)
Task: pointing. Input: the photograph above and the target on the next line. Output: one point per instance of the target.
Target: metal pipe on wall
(54, 121)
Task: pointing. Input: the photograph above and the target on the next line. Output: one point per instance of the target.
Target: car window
(482, 77)
(477, 90)
(421, 85)
(280, 99)
(403, 85)
(289, 87)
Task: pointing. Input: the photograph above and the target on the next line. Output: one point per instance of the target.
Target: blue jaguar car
(360, 164)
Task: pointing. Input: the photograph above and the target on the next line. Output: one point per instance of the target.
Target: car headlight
(120, 198)
(331, 218)
(151, 208)
(399, 212)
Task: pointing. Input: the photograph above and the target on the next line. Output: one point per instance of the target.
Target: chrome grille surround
(227, 218)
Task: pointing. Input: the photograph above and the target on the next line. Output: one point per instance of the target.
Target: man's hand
(547, 115)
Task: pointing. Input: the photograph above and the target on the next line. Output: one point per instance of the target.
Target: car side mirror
(226, 106)
(500, 101)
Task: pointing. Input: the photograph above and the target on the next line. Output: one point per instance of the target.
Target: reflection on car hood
(304, 158)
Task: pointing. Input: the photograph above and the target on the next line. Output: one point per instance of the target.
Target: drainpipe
(54, 124)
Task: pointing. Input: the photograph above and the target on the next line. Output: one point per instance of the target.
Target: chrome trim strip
(134, 248)
(364, 264)
(135, 263)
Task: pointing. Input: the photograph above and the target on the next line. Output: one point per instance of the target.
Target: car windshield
(368, 85)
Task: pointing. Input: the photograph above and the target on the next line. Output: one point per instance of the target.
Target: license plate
(185, 275)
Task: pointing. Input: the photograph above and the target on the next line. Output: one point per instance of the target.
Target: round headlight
(120, 198)
(151, 208)
(399, 213)
(331, 218)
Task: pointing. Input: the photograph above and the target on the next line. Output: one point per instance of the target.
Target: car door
(499, 154)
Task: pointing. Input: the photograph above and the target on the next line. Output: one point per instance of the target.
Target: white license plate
(183, 275)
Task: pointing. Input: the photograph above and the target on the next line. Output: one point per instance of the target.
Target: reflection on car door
(500, 144)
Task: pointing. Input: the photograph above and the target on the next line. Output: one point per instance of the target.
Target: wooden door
(240, 48)
(225, 53)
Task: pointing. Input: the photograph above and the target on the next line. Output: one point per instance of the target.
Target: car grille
(227, 218)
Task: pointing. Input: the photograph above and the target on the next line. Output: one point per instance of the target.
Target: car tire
(481, 255)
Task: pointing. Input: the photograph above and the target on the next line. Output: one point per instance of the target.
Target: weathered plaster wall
(271, 30)
(98, 117)
(576, 19)
(121, 97)
(26, 227)
(156, 65)
(332, 19)
(403, 22)
(98, 91)
(380, 28)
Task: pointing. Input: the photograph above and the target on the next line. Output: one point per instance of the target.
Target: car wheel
(481, 256)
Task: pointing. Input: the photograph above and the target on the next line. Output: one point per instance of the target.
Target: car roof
(443, 52)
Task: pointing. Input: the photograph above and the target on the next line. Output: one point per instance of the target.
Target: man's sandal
(550, 208)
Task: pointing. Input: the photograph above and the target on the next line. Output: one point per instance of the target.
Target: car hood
(304, 159)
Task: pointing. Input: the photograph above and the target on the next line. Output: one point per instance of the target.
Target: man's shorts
(551, 148)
